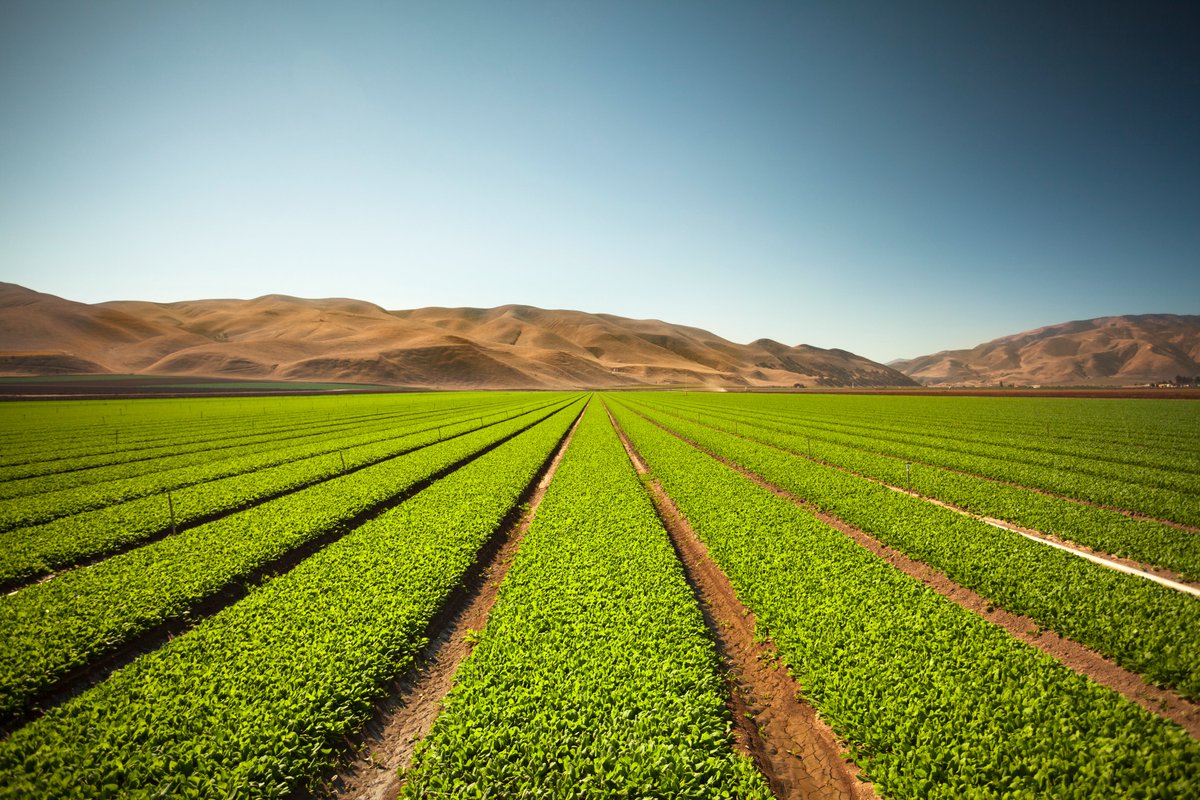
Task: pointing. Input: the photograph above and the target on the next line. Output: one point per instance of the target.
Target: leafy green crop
(51, 628)
(934, 701)
(29, 552)
(595, 676)
(1143, 540)
(1142, 625)
(256, 700)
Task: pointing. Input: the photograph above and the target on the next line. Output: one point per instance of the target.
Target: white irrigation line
(1119, 567)
(1104, 562)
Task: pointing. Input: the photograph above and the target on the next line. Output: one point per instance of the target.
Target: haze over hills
(287, 338)
(1107, 351)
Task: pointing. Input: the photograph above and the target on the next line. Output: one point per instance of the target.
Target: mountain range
(288, 338)
(1107, 351)
(277, 337)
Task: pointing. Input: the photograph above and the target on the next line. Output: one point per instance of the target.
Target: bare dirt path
(1072, 654)
(794, 748)
(405, 717)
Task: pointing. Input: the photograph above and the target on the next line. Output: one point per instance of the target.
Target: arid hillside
(287, 338)
(1108, 351)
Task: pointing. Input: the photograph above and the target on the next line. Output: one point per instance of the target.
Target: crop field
(556, 595)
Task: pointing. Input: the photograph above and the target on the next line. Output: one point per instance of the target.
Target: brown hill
(1108, 351)
(288, 338)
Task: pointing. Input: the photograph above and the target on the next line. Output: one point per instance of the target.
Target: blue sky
(889, 178)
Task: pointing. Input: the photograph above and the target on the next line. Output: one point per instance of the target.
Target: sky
(889, 178)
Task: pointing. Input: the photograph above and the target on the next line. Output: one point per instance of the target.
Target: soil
(405, 717)
(792, 746)
(1074, 655)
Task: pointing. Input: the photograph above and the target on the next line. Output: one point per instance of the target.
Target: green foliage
(256, 700)
(934, 701)
(1142, 625)
(595, 676)
(127, 511)
(95, 610)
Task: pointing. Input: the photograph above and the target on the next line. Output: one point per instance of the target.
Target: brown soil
(386, 746)
(1074, 655)
(792, 746)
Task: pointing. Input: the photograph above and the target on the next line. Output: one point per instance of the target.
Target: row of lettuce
(1143, 540)
(1160, 479)
(42, 438)
(57, 627)
(256, 701)
(35, 500)
(932, 700)
(596, 675)
(1142, 625)
(175, 500)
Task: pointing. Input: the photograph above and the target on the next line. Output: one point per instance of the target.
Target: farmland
(683, 595)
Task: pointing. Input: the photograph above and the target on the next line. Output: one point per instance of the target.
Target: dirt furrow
(1072, 654)
(792, 746)
(385, 747)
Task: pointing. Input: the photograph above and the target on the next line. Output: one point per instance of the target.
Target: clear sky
(889, 178)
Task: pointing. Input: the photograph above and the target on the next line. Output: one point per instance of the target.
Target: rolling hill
(1107, 351)
(286, 338)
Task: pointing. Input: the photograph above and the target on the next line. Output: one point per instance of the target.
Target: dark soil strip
(385, 746)
(796, 751)
(204, 519)
(1077, 657)
(93, 673)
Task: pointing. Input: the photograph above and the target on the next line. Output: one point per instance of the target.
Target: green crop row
(1143, 540)
(44, 438)
(29, 552)
(52, 628)
(934, 701)
(1111, 449)
(1171, 495)
(595, 676)
(256, 700)
(1157, 434)
(59, 476)
(56, 504)
(1142, 625)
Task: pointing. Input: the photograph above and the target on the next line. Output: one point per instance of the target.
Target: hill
(1107, 351)
(287, 338)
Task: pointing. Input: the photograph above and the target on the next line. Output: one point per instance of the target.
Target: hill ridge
(1118, 350)
(516, 346)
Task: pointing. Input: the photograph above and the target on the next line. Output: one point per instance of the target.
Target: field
(559, 594)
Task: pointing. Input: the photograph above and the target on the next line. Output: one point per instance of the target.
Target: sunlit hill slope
(288, 338)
